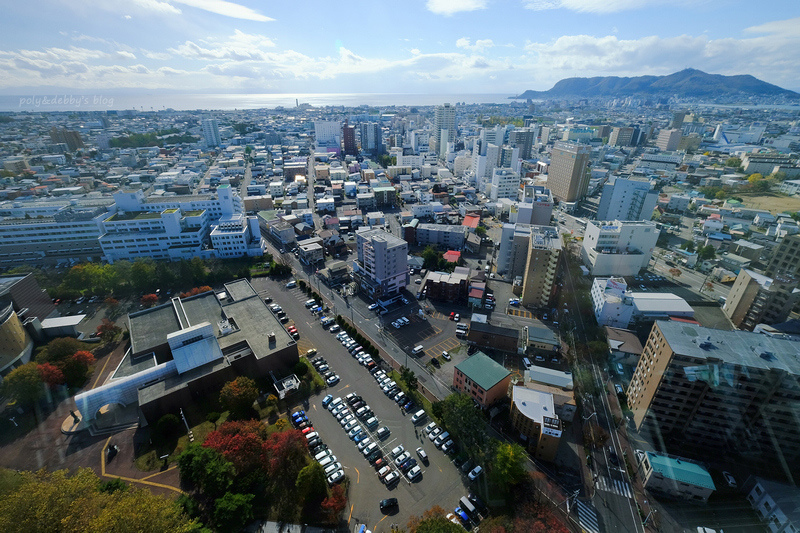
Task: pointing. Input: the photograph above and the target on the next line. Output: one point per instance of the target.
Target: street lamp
(652, 510)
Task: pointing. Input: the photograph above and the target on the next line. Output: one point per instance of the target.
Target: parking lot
(440, 483)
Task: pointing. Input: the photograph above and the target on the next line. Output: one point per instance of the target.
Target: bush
(300, 369)
(167, 427)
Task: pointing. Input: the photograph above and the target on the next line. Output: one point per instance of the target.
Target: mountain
(688, 83)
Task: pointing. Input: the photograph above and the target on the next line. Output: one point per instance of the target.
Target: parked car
(291, 285)
(422, 455)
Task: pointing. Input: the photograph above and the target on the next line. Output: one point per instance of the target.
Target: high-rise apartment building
(538, 282)
(328, 135)
(757, 299)
(524, 139)
(349, 139)
(732, 394)
(626, 199)
(785, 260)
(505, 184)
(444, 120)
(568, 176)
(371, 138)
(621, 137)
(211, 132)
(668, 140)
(64, 136)
(535, 207)
(381, 269)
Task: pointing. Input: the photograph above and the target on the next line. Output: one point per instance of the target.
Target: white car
(350, 425)
(372, 307)
(430, 427)
(335, 477)
(346, 420)
(291, 285)
(383, 472)
(402, 458)
(414, 473)
(397, 451)
(473, 475)
(434, 433)
(391, 477)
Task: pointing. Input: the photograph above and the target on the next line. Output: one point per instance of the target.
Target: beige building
(668, 140)
(568, 176)
(707, 391)
(621, 136)
(786, 258)
(544, 250)
(755, 299)
(533, 415)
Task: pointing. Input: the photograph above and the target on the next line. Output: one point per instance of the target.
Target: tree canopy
(238, 395)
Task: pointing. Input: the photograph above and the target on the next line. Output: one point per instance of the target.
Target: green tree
(238, 395)
(206, 469)
(431, 258)
(60, 349)
(143, 272)
(311, 484)
(24, 384)
(113, 485)
(233, 511)
(56, 502)
(466, 424)
(706, 252)
(508, 464)
(734, 162)
(167, 426)
(408, 377)
(480, 231)
(300, 369)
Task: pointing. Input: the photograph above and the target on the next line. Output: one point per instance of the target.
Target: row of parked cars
(330, 377)
(318, 449)
(357, 351)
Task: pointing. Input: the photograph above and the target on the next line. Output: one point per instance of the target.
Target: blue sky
(412, 46)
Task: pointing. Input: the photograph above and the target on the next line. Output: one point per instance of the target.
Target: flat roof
(745, 348)
(681, 470)
(660, 302)
(483, 370)
(533, 404)
(549, 376)
(62, 321)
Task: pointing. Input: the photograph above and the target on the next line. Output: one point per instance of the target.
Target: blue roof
(681, 470)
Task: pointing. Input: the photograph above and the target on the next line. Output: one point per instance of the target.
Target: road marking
(342, 388)
(358, 475)
(129, 479)
(350, 515)
(379, 521)
(102, 369)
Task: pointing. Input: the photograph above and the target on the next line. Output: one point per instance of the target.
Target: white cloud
(786, 28)
(225, 8)
(157, 6)
(239, 47)
(594, 6)
(122, 54)
(480, 44)
(450, 7)
(160, 56)
(415, 51)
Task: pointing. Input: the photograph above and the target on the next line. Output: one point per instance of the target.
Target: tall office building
(505, 184)
(381, 269)
(568, 176)
(668, 140)
(757, 299)
(621, 137)
(349, 139)
(523, 139)
(64, 136)
(328, 135)
(444, 120)
(211, 132)
(677, 119)
(371, 138)
(732, 394)
(626, 199)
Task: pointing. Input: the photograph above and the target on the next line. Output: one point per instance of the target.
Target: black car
(267, 300)
(358, 405)
(316, 441)
(479, 505)
(435, 362)
(374, 456)
(613, 457)
(354, 399)
(388, 503)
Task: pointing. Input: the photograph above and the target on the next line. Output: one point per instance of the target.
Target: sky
(375, 46)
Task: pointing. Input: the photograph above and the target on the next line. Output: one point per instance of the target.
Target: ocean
(156, 101)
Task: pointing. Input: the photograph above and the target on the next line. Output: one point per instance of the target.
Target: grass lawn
(772, 202)
(149, 457)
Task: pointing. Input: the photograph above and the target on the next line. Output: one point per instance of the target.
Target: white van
(419, 415)
(527, 363)
(467, 506)
(417, 349)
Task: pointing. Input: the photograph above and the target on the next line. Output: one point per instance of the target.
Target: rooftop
(533, 404)
(681, 470)
(744, 348)
(483, 370)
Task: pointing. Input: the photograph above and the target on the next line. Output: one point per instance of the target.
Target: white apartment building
(679, 202)
(443, 236)
(211, 132)
(237, 236)
(381, 269)
(626, 199)
(612, 305)
(618, 248)
(505, 184)
(535, 207)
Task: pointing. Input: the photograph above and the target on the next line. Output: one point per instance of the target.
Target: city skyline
(465, 46)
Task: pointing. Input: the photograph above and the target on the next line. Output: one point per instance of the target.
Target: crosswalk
(616, 486)
(587, 517)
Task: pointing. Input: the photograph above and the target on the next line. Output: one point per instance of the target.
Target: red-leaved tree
(51, 374)
(149, 300)
(334, 504)
(242, 443)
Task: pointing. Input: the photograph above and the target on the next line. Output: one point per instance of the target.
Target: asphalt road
(440, 484)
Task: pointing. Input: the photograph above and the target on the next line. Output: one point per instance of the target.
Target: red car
(453, 315)
(308, 429)
(291, 329)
